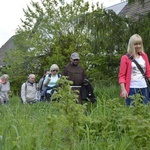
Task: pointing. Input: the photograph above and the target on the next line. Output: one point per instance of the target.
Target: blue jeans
(47, 95)
(43, 94)
(143, 91)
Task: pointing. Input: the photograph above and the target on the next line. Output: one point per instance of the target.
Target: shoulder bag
(140, 68)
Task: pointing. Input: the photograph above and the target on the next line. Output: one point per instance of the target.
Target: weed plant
(108, 124)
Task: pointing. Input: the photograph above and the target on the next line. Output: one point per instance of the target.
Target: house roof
(7, 46)
(117, 7)
(136, 9)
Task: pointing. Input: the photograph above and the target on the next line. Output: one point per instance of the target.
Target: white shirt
(137, 79)
(53, 81)
(4, 89)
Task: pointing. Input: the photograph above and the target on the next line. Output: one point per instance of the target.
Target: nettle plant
(70, 118)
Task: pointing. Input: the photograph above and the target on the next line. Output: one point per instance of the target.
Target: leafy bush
(64, 124)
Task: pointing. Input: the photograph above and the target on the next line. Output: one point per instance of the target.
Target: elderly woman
(51, 80)
(4, 89)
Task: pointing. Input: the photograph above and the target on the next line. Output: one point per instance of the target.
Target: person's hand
(47, 81)
(124, 94)
(24, 102)
(8, 92)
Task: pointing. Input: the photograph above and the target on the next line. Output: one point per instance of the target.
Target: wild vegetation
(50, 32)
(63, 124)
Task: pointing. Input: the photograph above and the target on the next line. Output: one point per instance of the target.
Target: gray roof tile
(135, 10)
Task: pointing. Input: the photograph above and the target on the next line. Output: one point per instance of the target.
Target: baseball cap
(75, 55)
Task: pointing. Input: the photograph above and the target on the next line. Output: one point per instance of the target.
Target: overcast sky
(12, 10)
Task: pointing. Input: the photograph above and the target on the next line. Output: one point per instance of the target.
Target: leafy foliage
(52, 30)
(64, 124)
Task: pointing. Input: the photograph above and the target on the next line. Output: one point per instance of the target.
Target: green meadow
(107, 124)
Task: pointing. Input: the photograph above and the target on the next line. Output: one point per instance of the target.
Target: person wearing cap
(75, 73)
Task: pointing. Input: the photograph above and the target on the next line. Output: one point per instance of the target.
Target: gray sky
(12, 10)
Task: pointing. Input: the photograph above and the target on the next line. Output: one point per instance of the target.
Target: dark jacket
(87, 92)
(76, 74)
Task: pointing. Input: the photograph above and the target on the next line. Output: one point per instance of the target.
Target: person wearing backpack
(51, 81)
(42, 87)
(28, 90)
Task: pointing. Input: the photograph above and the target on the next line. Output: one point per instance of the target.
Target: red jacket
(125, 70)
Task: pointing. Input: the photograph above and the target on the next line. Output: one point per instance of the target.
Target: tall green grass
(107, 124)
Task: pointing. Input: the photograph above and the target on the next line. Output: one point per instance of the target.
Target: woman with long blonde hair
(131, 79)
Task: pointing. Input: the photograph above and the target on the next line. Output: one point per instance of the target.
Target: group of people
(47, 85)
(134, 72)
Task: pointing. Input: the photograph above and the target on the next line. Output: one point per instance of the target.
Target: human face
(3, 81)
(54, 71)
(75, 61)
(32, 79)
(137, 46)
(48, 72)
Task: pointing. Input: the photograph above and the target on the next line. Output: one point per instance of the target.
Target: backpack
(59, 75)
(40, 88)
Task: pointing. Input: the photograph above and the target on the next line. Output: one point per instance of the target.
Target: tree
(52, 30)
(47, 35)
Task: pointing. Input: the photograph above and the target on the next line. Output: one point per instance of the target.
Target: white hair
(4, 76)
(31, 75)
(54, 66)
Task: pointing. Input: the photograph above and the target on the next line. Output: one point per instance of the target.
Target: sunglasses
(75, 59)
(54, 70)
